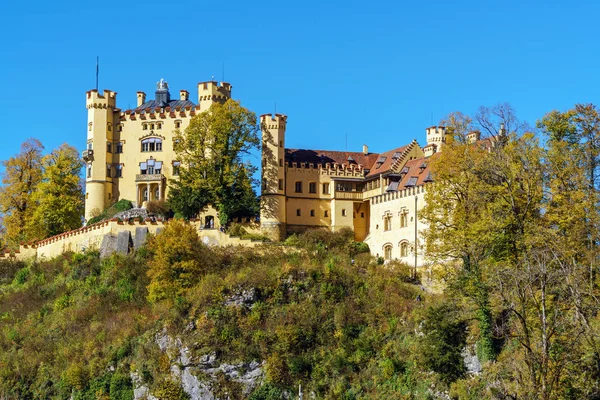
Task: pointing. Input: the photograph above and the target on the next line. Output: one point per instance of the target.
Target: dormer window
(412, 182)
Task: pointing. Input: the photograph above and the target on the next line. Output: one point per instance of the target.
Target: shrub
(121, 387)
(236, 229)
(169, 390)
(158, 208)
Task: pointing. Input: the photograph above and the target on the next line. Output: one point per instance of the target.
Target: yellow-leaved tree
(22, 174)
(59, 197)
(179, 261)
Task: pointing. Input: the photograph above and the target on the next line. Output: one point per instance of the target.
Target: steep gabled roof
(385, 161)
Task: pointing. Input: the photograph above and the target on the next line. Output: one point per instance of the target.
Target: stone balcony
(339, 195)
(149, 177)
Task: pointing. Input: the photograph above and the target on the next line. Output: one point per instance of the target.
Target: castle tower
(436, 137)
(212, 92)
(98, 181)
(272, 203)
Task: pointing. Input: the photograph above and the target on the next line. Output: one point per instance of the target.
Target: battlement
(212, 90)
(97, 100)
(331, 169)
(389, 196)
(270, 121)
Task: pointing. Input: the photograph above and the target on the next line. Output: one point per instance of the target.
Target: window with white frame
(151, 144)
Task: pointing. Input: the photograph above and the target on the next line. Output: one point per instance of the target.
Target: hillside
(82, 327)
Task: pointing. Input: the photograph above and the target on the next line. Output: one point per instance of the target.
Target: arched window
(404, 249)
(387, 251)
(152, 144)
(146, 194)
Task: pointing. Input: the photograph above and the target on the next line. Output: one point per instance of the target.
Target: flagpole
(97, 71)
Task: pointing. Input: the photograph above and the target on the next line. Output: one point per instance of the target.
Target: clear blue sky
(376, 71)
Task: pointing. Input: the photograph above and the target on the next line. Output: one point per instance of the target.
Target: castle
(130, 155)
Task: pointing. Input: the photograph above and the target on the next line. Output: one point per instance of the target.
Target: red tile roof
(327, 156)
(385, 166)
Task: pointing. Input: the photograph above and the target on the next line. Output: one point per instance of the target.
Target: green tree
(211, 152)
(59, 197)
(22, 174)
(444, 336)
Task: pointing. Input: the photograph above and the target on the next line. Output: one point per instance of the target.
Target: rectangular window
(326, 213)
(150, 170)
(177, 124)
(145, 127)
(298, 213)
(298, 187)
(387, 223)
(326, 188)
(118, 171)
(108, 147)
(176, 165)
(312, 213)
(281, 162)
(362, 214)
(159, 126)
(119, 147)
(89, 170)
(158, 146)
(108, 175)
(312, 187)
(281, 184)
(343, 212)
(145, 146)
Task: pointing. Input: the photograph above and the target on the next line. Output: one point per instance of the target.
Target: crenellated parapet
(390, 196)
(96, 100)
(330, 169)
(270, 121)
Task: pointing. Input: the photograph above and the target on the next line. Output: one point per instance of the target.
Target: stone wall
(105, 235)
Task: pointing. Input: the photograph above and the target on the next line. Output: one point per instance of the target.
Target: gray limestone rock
(108, 246)
(141, 234)
(123, 242)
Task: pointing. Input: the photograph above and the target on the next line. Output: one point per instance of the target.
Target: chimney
(365, 149)
(184, 95)
(141, 98)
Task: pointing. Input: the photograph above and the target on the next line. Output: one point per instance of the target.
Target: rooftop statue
(162, 85)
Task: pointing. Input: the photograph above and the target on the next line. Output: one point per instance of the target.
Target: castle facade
(129, 154)
(377, 195)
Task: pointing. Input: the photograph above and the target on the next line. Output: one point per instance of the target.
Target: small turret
(436, 135)
(273, 204)
(212, 92)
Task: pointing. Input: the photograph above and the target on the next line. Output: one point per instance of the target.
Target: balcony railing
(349, 195)
(149, 177)
(87, 155)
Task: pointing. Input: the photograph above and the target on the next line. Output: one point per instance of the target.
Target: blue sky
(378, 72)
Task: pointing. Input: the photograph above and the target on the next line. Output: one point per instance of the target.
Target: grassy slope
(77, 324)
